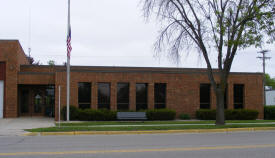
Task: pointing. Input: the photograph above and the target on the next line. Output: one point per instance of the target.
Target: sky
(104, 33)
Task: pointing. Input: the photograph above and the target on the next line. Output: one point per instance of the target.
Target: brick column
(74, 94)
(94, 95)
(132, 96)
(113, 97)
(150, 95)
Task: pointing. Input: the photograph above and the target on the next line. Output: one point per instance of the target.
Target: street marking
(140, 150)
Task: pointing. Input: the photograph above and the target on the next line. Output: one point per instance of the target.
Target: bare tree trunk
(220, 107)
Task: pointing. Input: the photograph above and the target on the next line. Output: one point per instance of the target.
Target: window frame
(160, 104)
(205, 105)
(107, 104)
(142, 105)
(85, 104)
(121, 105)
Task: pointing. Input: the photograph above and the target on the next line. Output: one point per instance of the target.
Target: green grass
(93, 123)
(127, 128)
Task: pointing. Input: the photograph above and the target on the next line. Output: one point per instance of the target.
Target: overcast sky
(104, 33)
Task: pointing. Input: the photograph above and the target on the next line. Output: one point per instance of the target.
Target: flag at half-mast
(69, 37)
(69, 46)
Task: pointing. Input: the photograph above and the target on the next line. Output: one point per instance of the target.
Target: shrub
(86, 114)
(96, 115)
(73, 113)
(206, 114)
(184, 116)
(236, 114)
(241, 114)
(269, 112)
(106, 115)
(161, 114)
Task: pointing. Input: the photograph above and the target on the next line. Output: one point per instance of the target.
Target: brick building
(32, 90)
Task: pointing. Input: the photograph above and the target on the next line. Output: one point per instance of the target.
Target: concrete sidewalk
(16, 126)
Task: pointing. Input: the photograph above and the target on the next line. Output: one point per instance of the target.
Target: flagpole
(68, 67)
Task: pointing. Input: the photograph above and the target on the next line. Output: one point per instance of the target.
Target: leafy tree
(51, 62)
(32, 62)
(225, 25)
(269, 81)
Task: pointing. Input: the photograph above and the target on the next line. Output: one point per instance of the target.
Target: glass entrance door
(36, 100)
(24, 102)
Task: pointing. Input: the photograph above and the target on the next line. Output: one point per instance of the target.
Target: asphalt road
(207, 145)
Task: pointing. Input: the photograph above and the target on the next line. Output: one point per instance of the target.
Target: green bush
(236, 114)
(96, 115)
(184, 116)
(73, 113)
(269, 112)
(86, 114)
(241, 114)
(206, 114)
(161, 114)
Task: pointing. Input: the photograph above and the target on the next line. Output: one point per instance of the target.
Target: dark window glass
(50, 101)
(141, 96)
(160, 95)
(205, 96)
(123, 96)
(238, 96)
(103, 96)
(84, 95)
(24, 101)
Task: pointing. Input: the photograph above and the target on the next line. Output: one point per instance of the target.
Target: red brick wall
(182, 88)
(183, 85)
(9, 54)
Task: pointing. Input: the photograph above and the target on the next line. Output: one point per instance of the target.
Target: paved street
(207, 145)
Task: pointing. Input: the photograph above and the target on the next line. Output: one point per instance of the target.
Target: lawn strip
(92, 123)
(139, 128)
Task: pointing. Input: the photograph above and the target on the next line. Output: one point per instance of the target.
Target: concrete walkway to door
(16, 126)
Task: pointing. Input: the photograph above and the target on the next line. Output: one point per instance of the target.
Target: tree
(51, 62)
(269, 81)
(32, 62)
(225, 25)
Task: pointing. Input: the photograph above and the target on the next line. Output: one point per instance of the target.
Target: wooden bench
(131, 116)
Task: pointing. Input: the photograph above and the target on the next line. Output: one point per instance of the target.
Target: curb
(224, 130)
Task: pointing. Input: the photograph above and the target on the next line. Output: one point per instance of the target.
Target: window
(50, 101)
(84, 95)
(160, 95)
(141, 96)
(205, 96)
(103, 95)
(123, 96)
(238, 96)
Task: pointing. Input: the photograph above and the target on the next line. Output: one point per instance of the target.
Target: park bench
(131, 116)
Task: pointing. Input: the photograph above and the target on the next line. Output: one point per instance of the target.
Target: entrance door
(1, 98)
(38, 106)
(24, 102)
(36, 100)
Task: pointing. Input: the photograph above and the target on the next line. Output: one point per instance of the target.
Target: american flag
(69, 46)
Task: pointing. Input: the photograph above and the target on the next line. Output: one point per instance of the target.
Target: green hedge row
(269, 112)
(236, 114)
(107, 115)
(161, 114)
